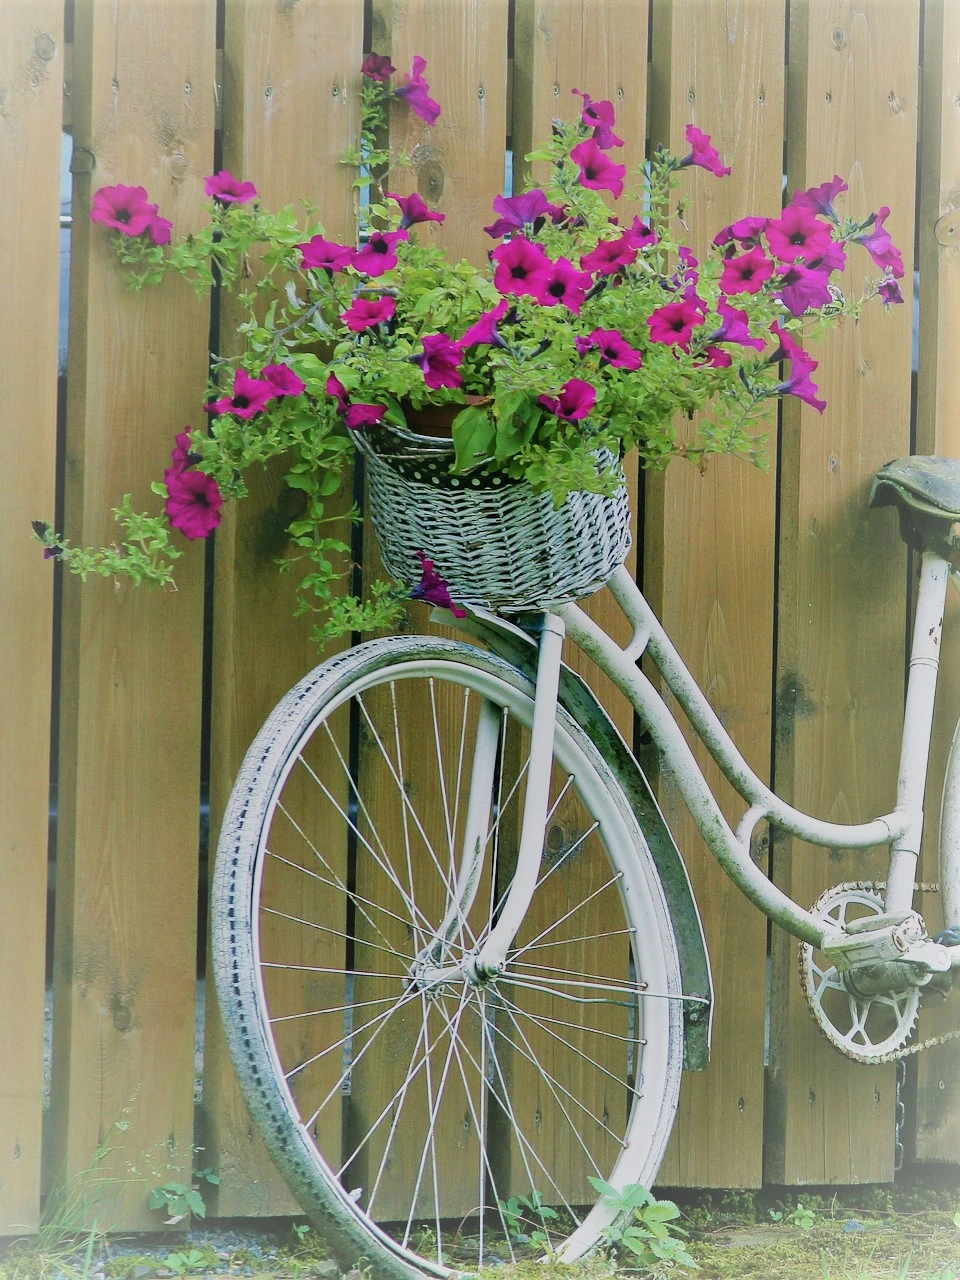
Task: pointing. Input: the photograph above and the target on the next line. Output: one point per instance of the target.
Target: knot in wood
(947, 228)
(45, 46)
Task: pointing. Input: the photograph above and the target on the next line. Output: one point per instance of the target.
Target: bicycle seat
(926, 492)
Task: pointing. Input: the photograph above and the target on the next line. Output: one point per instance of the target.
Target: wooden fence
(788, 600)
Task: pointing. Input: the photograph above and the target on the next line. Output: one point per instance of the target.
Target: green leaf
(473, 434)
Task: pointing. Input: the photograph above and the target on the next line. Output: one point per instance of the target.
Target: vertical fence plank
(852, 111)
(601, 49)
(938, 431)
(127, 856)
(709, 560)
(31, 80)
(291, 106)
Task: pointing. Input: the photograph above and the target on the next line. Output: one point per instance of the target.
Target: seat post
(917, 723)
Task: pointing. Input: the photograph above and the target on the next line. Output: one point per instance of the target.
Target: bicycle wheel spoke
(369, 861)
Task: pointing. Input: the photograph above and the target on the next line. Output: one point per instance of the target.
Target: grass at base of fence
(907, 1232)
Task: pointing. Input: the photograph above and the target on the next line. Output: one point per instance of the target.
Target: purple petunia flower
(564, 284)
(364, 313)
(433, 589)
(321, 254)
(193, 503)
(600, 117)
(484, 332)
(820, 199)
(377, 66)
(522, 267)
(335, 388)
(641, 233)
(611, 255)
(574, 402)
(800, 288)
(880, 246)
(614, 348)
(122, 208)
(797, 233)
(284, 379)
(747, 273)
(182, 456)
(160, 230)
(249, 397)
(746, 232)
(441, 361)
(379, 254)
(597, 170)
(889, 291)
(703, 153)
(734, 327)
(226, 189)
(526, 210)
(413, 209)
(801, 366)
(674, 323)
(358, 416)
(415, 92)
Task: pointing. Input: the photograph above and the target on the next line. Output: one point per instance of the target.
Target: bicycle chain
(895, 1055)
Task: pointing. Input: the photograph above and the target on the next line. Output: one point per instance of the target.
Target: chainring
(865, 1028)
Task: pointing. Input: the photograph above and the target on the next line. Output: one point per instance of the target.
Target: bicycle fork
(490, 958)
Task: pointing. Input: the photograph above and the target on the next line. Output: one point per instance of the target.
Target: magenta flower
(787, 347)
(182, 456)
(889, 291)
(193, 504)
(415, 92)
(797, 234)
(522, 267)
(160, 230)
(377, 66)
(703, 153)
(614, 348)
(379, 254)
(880, 246)
(734, 327)
(747, 273)
(320, 254)
(364, 313)
(433, 589)
(574, 402)
(413, 209)
(526, 210)
(833, 258)
(226, 189)
(250, 396)
(597, 170)
(799, 384)
(717, 358)
(484, 332)
(125, 209)
(674, 323)
(283, 378)
(800, 288)
(641, 233)
(358, 416)
(611, 255)
(746, 232)
(599, 116)
(563, 283)
(820, 199)
(335, 388)
(41, 529)
(441, 361)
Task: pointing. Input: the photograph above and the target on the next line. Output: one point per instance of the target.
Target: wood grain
(290, 108)
(130, 716)
(938, 393)
(709, 561)
(31, 78)
(841, 608)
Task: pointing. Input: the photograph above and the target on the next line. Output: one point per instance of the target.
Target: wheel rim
(561, 1063)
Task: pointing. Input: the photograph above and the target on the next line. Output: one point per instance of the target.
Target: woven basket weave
(498, 544)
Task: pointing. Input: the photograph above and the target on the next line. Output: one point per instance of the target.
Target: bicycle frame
(900, 829)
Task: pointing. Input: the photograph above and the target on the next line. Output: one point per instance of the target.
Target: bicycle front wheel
(430, 1118)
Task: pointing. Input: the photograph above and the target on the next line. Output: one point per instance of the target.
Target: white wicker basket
(498, 544)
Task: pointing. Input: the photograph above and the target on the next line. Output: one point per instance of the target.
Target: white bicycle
(462, 970)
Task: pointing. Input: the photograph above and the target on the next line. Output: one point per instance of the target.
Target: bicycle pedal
(903, 943)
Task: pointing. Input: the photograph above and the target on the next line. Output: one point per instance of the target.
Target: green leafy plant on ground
(649, 1232)
(178, 1200)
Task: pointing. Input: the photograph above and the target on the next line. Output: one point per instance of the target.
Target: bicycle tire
(342, 879)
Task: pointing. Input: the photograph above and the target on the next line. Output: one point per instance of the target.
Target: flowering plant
(591, 329)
